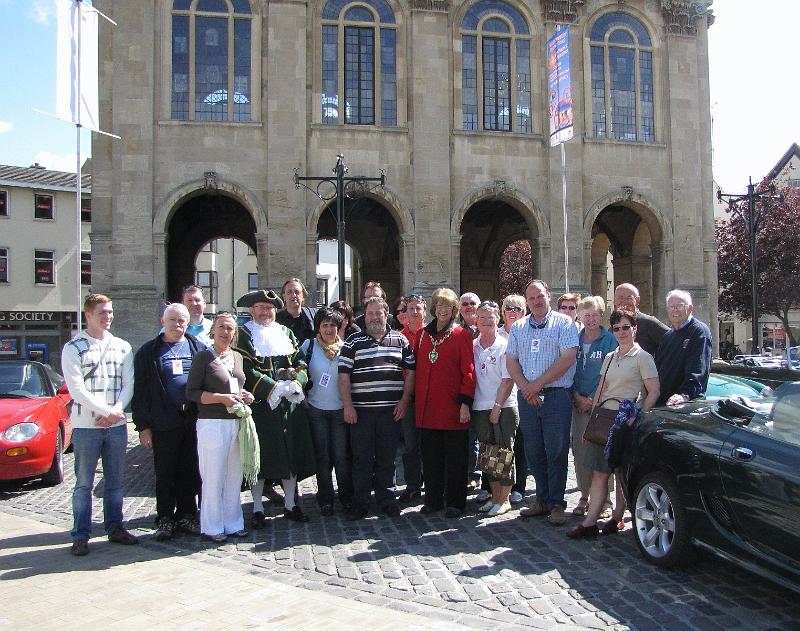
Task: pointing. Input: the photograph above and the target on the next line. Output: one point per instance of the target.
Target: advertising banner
(559, 84)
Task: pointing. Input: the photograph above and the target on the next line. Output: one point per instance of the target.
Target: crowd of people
(299, 391)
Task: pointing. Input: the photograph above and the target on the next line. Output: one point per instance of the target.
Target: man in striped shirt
(376, 382)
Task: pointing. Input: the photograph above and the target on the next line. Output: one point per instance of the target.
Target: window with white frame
(86, 268)
(3, 265)
(3, 203)
(44, 267)
(211, 59)
(43, 206)
(622, 94)
(322, 291)
(252, 281)
(207, 281)
(495, 68)
(359, 53)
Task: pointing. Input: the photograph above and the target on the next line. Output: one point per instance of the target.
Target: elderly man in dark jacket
(165, 420)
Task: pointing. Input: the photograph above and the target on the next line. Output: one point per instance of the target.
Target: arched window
(622, 79)
(211, 59)
(495, 64)
(359, 52)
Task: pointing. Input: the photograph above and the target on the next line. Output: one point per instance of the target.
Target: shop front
(35, 335)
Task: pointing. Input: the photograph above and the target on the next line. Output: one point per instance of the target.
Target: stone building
(448, 98)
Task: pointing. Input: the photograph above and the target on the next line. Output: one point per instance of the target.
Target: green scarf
(249, 449)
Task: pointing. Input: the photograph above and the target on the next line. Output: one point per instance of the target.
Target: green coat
(284, 433)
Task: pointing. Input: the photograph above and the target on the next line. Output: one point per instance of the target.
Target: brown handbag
(495, 460)
(601, 419)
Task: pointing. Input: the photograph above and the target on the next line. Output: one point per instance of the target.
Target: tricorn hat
(260, 295)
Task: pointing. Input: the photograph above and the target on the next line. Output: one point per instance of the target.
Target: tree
(778, 260)
(516, 268)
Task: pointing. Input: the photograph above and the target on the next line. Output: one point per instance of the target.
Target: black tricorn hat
(260, 295)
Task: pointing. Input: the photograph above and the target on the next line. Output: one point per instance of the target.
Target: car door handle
(742, 453)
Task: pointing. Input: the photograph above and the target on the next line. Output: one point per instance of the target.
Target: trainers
(80, 548)
(485, 507)
(557, 516)
(516, 498)
(122, 536)
(189, 525)
(166, 529)
(499, 509)
(537, 509)
(482, 496)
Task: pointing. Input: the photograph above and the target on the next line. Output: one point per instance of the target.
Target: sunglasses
(468, 304)
(567, 307)
(621, 327)
(513, 309)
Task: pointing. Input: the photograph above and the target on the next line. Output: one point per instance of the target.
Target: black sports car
(721, 476)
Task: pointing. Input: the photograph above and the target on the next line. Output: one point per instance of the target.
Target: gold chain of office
(434, 354)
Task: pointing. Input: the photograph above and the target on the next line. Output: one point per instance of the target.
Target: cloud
(43, 10)
(56, 163)
(6, 126)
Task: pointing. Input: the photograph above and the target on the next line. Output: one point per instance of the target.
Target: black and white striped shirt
(376, 368)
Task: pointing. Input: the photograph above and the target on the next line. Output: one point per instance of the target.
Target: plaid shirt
(537, 345)
(109, 388)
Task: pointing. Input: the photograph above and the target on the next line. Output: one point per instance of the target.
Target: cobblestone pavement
(472, 571)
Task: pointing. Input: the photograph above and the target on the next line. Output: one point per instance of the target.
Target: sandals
(582, 506)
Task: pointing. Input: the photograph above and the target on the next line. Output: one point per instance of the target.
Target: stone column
(160, 241)
(262, 259)
(407, 262)
(311, 264)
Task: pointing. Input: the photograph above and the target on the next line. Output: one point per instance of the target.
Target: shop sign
(31, 316)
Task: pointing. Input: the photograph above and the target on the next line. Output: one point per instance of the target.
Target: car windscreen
(21, 380)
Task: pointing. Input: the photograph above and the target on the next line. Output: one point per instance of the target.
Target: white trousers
(221, 472)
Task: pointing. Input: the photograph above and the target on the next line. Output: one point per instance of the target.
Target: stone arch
(385, 195)
(633, 229)
(532, 20)
(526, 207)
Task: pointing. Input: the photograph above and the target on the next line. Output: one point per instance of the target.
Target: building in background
(38, 268)
(220, 102)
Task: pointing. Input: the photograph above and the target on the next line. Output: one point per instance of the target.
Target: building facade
(39, 292)
(448, 99)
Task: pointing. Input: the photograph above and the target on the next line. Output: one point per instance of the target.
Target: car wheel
(56, 473)
(660, 523)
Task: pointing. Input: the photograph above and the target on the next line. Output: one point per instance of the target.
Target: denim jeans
(89, 446)
(331, 438)
(546, 432)
(374, 439)
(412, 458)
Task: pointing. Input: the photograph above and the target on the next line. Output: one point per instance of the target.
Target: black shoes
(295, 515)
(166, 529)
(326, 510)
(258, 521)
(356, 514)
(391, 510)
(409, 497)
(453, 513)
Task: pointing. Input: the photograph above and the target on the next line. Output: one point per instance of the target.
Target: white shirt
(490, 370)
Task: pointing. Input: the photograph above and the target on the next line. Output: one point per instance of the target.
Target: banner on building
(559, 83)
(76, 64)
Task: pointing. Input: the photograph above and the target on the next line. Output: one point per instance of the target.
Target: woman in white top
(495, 405)
(627, 373)
(326, 411)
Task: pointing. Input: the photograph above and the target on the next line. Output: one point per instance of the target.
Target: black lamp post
(343, 186)
(752, 224)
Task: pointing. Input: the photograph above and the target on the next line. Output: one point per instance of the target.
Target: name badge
(324, 380)
(483, 368)
(234, 385)
(177, 366)
(536, 345)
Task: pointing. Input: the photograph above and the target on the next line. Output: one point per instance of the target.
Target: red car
(35, 426)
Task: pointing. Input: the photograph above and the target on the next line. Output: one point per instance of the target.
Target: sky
(753, 59)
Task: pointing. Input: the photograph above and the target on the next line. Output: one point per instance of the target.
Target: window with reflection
(359, 56)
(495, 68)
(622, 79)
(211, 60)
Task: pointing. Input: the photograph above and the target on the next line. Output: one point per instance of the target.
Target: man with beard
(376, 382)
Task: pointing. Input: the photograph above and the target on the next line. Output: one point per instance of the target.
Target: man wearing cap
(275, 374)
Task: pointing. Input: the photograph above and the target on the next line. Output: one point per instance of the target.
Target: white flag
(76, 64)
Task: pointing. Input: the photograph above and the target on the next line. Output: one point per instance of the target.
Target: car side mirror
(63, 390)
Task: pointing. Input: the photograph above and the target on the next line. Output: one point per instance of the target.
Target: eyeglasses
(679, 306)
(567, 307)
(488, 303)
(621, 327)
(468, 304)
(512, 309)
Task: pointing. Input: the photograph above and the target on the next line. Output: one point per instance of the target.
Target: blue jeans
(91, 445)
(374, 439)
(331, 438)
(545, 430)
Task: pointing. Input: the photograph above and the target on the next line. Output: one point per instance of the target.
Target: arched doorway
(488, 228)
(374, 242)
(196, 222)
(225, 269)
(622, 251)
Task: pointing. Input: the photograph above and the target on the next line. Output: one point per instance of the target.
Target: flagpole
(78, 179)
(564, 210)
